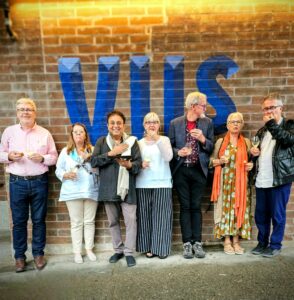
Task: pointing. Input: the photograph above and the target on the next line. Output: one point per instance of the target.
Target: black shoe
(116, 257)
(269, 252)
(163, 256)
(259, 249)
(130, 261)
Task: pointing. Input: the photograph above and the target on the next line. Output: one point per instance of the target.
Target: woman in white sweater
(79, 190)
(154, 192)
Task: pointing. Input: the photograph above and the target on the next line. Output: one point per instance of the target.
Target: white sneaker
(91, 255)
(78, 258)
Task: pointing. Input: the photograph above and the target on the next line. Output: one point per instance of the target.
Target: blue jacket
(177, 135)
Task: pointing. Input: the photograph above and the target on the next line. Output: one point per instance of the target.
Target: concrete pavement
(218, 276)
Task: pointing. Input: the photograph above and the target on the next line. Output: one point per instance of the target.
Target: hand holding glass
(188, 148)
(146, 161)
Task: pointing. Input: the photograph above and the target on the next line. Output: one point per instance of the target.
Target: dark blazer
(108, 172)
(177, 135)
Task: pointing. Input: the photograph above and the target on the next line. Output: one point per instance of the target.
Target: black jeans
(190, 185)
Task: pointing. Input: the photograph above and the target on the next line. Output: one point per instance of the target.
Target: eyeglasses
(235, 122)
(151, 122)
(78, 132)
(202, 105)
(25, 109)
(118, 123)
(270, 108)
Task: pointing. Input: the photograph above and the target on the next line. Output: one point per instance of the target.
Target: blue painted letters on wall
(73, 89)
(208, 85)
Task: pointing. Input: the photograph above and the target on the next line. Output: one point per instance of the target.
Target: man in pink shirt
(28, 149)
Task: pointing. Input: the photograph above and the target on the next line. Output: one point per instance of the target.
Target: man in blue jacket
(192, 138)
(274, 176)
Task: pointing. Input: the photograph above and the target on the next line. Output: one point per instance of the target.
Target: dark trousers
(190, 185)
(25, 196)
(271, 206)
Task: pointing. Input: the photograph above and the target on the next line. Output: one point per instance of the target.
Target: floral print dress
(228, 223)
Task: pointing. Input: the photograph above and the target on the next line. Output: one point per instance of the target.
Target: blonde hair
(193, 98)
(28, 101)
(235, 114)
(152, 116)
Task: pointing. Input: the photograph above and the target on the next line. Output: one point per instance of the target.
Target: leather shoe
(20, 265)
(116, 257)
(40, 262)
(130, 261)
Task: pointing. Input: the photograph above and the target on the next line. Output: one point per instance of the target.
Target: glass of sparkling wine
(255, 141)
(227, 155)
(147, 159)
(188, 147)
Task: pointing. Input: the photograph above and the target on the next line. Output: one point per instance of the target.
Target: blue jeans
(25, 196)
(271, 204)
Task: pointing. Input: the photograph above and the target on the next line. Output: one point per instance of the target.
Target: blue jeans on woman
(28, 197)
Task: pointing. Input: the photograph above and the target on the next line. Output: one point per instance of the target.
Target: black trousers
(190, 185)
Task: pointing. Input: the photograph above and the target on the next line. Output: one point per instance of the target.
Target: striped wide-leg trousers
(154, 220)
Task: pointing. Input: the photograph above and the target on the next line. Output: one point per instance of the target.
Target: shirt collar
(34, 127)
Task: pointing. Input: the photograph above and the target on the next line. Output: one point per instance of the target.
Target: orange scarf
(241, 177)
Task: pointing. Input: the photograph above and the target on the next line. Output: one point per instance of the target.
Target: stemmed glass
(255, 141)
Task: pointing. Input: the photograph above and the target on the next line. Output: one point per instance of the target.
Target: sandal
(150, 255)
(238, 249)
(228, 249)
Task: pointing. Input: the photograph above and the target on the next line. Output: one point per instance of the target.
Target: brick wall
(258, 36)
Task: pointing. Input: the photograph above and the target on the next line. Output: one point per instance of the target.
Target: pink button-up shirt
(34, 140)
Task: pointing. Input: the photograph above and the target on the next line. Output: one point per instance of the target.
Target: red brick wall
(258, 37)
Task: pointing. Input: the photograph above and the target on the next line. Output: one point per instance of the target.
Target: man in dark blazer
(192, 140)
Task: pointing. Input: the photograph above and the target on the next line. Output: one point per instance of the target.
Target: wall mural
(70, 72)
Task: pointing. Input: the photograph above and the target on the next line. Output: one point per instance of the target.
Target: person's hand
(248, 166)
(118, 149)
(36, 157)
(224, 159)
(184, 152)
(15, 155)
(198, 134)
(270, 116)
(255, 151)
(145, 164)
(220, 161)
(124, 163)
(70, 175)
(153, 135)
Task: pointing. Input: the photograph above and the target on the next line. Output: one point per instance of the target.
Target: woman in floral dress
(230, 190)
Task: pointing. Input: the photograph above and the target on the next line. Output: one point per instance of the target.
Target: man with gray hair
(192, 140)
(274, 176)
(28, 149)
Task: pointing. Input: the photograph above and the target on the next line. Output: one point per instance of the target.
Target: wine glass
(227, 155)
(147, 159)
(255, 141)
(188, 147)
